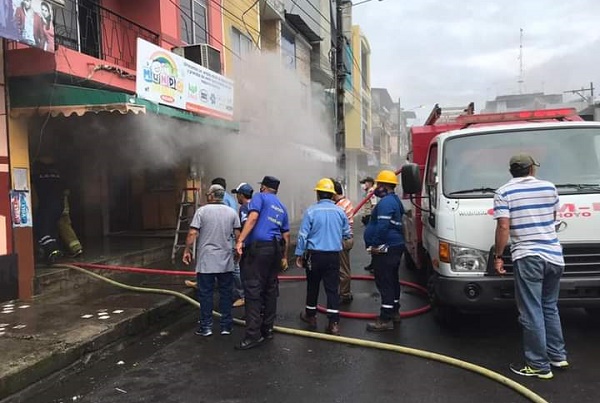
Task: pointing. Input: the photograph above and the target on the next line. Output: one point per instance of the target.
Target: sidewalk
(75, 317)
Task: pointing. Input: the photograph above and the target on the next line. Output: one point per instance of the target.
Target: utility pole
(340, 75)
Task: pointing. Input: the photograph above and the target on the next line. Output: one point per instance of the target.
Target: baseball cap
(217, 190)
(368, 179)
(270, 182)
(243, 189)
(523, 161)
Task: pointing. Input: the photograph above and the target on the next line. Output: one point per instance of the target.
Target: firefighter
(324, 227)
(384, 240)
(262, 246)
(49, 188)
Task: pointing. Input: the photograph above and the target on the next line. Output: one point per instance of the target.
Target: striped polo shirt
(530, 204)
(346, 205)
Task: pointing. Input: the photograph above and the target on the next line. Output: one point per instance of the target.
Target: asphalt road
(177, 366)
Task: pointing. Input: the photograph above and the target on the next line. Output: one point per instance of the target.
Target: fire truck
(454, 168)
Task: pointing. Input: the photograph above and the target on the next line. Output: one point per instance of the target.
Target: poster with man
(29, 22)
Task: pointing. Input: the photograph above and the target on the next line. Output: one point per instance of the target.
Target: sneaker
(204, 332)
(225, 332)
(191, 284)
(564, 364)
(526, 370)
(239, 302)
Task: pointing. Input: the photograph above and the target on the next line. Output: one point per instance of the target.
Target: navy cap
(243, 189)
(270, 182)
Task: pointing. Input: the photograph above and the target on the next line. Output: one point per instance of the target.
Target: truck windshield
(569, 157)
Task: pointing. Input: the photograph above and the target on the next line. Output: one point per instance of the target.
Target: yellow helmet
(387, 176)
(325, 185)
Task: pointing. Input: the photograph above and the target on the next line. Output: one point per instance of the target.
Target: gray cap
(217, 191)
(522, 161)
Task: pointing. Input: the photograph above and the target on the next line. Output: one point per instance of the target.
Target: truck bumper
(492, 291)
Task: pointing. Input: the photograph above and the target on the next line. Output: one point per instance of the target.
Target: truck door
(430, 201)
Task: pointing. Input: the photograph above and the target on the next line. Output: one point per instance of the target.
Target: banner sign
(20, 207)
(168, 79)
(29, 22)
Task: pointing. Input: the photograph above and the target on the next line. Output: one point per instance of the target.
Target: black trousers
(46, 221)
(259, 268)
(323, 266)
(387, 279)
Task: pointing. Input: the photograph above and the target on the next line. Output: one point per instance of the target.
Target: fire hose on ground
(517, 387)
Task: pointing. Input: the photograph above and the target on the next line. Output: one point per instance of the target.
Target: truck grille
(580, 260)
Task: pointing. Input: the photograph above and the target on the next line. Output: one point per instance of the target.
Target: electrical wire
(477, 369)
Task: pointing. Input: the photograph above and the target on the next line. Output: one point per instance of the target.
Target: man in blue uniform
(385, 241)
(263, 247)
(324, 227)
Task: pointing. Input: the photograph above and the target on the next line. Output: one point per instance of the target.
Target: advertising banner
(20, 206)
(168, 79)
(29, 22)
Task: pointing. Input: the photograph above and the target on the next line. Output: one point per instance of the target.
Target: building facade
(124, 159)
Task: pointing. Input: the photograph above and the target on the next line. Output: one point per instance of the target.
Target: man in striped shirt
(525, 208)
(345, 270)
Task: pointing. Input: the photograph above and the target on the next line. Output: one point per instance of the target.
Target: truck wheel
(444, 315)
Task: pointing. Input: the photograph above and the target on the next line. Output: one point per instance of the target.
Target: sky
(453, 52)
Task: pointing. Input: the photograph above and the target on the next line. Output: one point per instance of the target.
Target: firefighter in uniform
(385, 241)
(263, 246)
(323, 229)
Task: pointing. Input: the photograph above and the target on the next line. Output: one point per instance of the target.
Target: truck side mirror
(411, 179)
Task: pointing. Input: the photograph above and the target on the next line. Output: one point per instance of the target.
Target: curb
(16, 387)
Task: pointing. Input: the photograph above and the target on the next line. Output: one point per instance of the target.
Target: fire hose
(515, 386)
(344, 314)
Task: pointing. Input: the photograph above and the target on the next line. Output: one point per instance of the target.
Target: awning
(298, 22)
(58, 99)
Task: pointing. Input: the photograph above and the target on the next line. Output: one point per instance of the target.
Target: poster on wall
(29, 22)
(20, 208)
(168, 79)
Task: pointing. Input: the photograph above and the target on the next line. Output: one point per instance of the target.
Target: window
(364, 68)
(431, 178)
(240, 44)
(288, 49)
(77, 26)
(566, 156)
(193, 20)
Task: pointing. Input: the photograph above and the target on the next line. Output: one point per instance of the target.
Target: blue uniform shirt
(230, 201)
(385, 225)
(323, 227)
(243, 213)
(272, 218)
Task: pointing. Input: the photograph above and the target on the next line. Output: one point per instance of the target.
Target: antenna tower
(520, 81)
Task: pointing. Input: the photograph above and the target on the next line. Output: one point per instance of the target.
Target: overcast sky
(455, 51)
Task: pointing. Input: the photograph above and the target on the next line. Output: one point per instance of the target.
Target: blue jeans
(537, 284)
(238, 288)
(206, 284)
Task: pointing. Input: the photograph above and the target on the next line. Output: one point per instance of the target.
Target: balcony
(92, 43)
(87, 27)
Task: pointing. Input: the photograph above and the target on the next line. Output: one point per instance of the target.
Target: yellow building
(241, 31)
(359, 138)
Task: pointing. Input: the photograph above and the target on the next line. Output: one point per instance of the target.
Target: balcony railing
(87, 27)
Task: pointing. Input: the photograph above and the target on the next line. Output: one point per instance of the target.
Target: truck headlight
(468, 260)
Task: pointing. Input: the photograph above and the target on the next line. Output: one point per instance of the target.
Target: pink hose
(345, 314)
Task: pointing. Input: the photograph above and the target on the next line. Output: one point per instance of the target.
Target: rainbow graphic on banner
(161, 72)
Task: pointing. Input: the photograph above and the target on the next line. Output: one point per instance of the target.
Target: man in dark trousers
(525, 210)
(263, 247)
(385, 241)
(323, 229)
